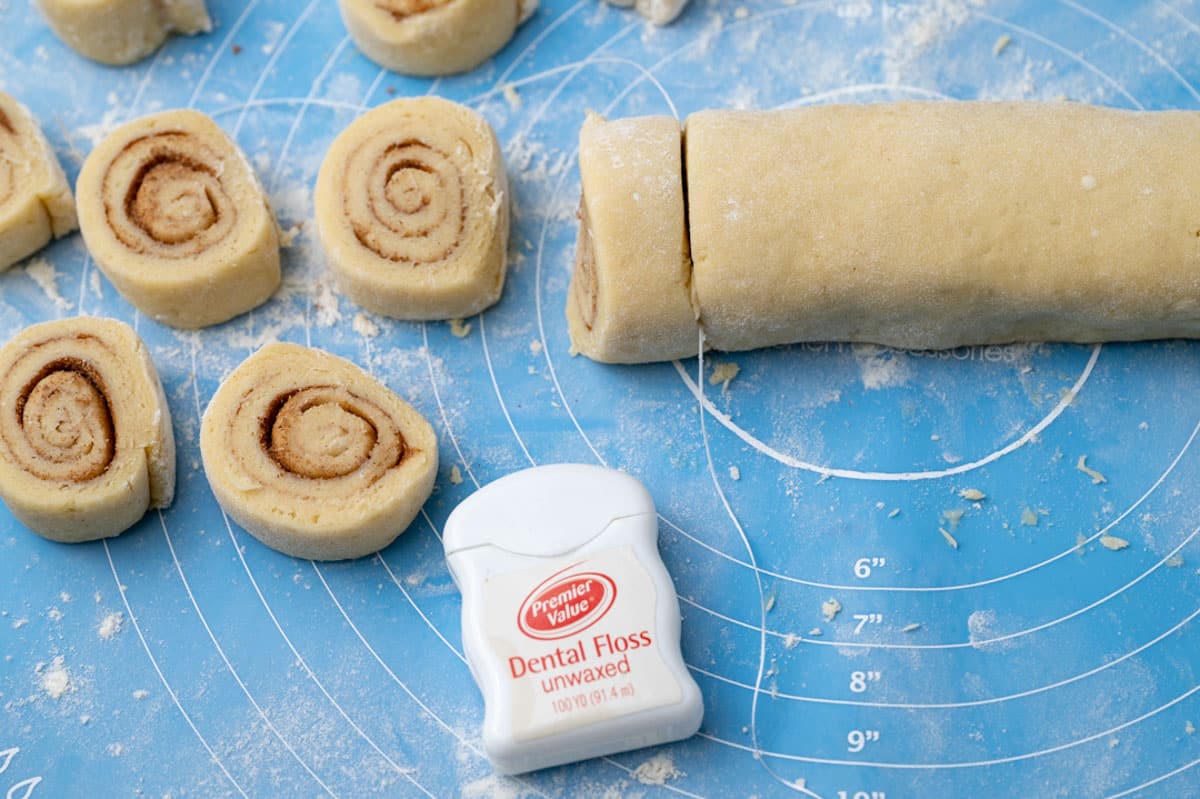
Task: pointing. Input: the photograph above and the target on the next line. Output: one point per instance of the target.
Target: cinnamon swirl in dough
(35, 200)
(433, 37)
(413, 211)
(175, 217)
(314, 457)
(122, 31)
(85, 432)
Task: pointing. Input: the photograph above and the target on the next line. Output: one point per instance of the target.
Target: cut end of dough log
(630, 295)
(120, 32)
(412, 211)
(175, 217)
(432, 37)
(35, 200)
(314, 457)
(86, 446)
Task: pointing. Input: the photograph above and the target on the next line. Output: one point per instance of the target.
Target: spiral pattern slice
(35, 200)
(176, 218)
(314, 457)
(86, 446)
(412, 210)
(432, 37)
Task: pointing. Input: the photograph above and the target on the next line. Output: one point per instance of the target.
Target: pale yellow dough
(935, 225)
(175, 217)
(122, 31)
(314, 457)
(630, 296)
(412, 210)
(433, 37)
(35, 199)
(86, 446)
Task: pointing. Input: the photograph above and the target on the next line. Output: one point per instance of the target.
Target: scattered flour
(111, 625)
(325, 306)
(981, 625)
(45, 275)
(658, 770)
(456, 475)
(364, 326)
(880, 367)
(493, 788)
(56, 680)
(140, 694)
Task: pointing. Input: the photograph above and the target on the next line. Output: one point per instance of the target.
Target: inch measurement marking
(864, 619)
(864, 566)
(858, 739)
(860, 679)
(861, 795)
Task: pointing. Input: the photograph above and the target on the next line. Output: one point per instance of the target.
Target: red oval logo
(566, 605)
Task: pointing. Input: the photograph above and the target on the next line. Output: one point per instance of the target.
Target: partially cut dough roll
(314, 457)
(86, 445)
(35, 199)
(413, 211)
(630, 295)
(935, 225)
(122, 31)
(433, 37)
(176, 218)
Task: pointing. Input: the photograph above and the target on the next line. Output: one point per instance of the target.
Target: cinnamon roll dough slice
(433, 37)
(176, 218)
(122, 31)
(86, 446)
(413, 211)
(630, 296)
(35, 199)
(314, 457)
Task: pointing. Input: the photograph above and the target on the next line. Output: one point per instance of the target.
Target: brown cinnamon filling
(586, 289)
(400, 9)
(328, 432)
(65, 417)
(168, 200)
(6, 123)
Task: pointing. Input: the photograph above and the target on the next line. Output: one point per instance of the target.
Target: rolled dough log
(412, 210)
(630, 296)
(35, 199)
(175, 217)
(86, 445)
(935, 225)
(433, 37)
(122, 31)
(314, 457)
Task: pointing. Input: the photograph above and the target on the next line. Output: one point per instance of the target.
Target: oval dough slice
(122, 31)
(86, 445)
(35, 199)
(630, 295)
(433, 37)
(176, 218)
(413, 210)
(314, 457)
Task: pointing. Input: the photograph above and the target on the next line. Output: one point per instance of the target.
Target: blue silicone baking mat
(844, 648)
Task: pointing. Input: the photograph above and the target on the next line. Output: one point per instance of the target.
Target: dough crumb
(111, 625)
(735, 473)
(1112, 542)
(513, 97)
(1029, 518)
(895, 512)
(456, 475)
(1174, 562)
(535, 347)
(723, 374)
(1189, 728)
(1001, 45)
(769, 605)
(790, 641)
(56, 681)
(951, 540)
(364, 327)
(815, 632)
(19, 623)
(140, 694)
(658, 770)
(1082, 466)
(459, 328)
(287, 238)
(55, 614)
(953, 517)
(910, 628)
(972, 495)
(830, 608)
